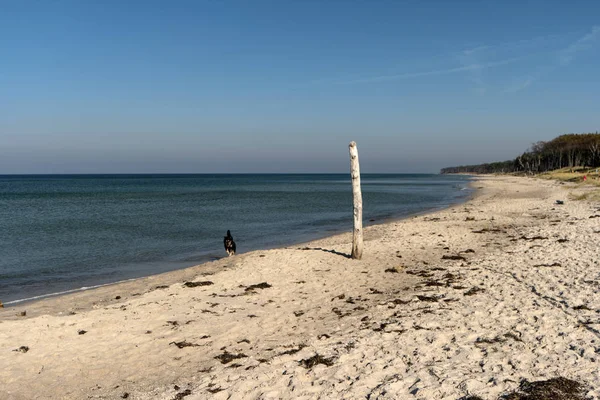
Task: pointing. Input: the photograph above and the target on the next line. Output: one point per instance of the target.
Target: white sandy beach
(467, 301)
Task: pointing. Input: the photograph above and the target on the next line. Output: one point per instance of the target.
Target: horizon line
(211, 173)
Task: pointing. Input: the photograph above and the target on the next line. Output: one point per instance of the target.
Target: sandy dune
(462, 302)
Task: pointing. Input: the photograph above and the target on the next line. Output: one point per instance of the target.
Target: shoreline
(468, 300)
(34, 299)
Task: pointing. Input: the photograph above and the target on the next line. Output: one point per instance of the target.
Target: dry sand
(467, 301)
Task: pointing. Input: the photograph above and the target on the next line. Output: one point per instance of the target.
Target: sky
(284, 86)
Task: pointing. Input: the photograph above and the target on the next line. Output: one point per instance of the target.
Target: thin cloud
(519, 46)
(557, 49)
(583, 43)
(411, 75)
(562, 58)
(477, 59)
(523, 48)
(468, 52)
(517, 87)
(471, 57)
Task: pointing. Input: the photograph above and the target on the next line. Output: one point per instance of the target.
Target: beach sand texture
(465, 301)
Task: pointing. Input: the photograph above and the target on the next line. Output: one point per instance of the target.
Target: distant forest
(572, 150)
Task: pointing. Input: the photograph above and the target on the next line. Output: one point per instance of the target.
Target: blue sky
(283, 86)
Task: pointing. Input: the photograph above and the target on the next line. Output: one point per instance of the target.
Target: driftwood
(357, 236)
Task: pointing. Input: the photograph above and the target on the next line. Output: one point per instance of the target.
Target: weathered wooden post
(357, 237)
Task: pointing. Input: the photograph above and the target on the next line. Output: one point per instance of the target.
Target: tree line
(565, 151)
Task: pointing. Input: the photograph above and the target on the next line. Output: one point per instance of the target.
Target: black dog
(229, 244)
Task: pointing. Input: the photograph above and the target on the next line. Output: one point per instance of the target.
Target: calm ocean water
(65, 232)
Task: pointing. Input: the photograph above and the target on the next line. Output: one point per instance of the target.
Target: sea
(64, 233)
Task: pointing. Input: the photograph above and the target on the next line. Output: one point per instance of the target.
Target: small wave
(81, 289)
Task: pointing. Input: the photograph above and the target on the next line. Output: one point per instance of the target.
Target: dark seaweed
(195, 284)
(316, 359)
